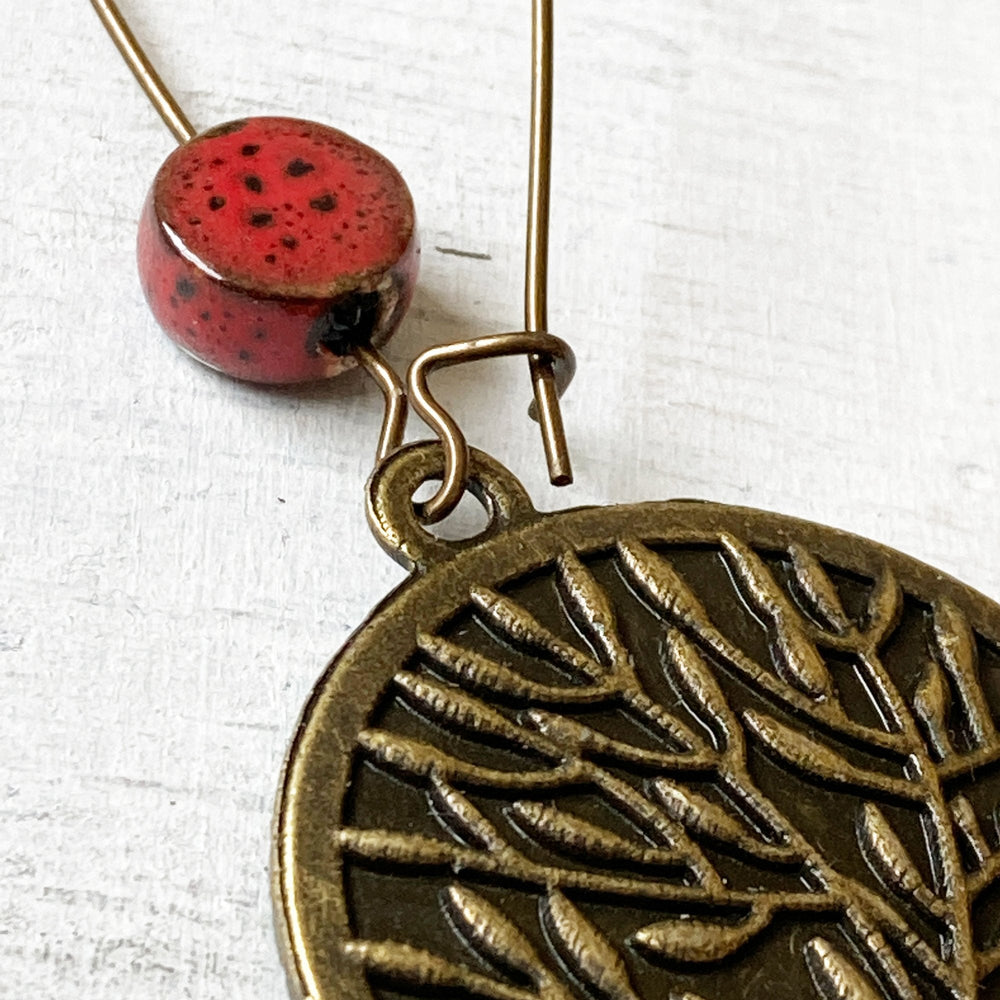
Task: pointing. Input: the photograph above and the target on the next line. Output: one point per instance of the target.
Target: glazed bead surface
(269, 247)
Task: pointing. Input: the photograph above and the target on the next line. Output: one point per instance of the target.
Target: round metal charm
(670, 750)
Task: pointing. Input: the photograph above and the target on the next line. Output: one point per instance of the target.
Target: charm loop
(394, 517)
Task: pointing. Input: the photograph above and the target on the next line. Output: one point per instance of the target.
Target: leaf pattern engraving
(701, 941)
(405, 966)
(591, 957)
(570, 761)
(490, 932)
(889, 858)
(835, 977)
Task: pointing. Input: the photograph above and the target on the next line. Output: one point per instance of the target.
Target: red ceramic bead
(269, 247)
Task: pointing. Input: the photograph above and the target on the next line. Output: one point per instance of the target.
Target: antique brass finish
(393, 392)
(536, 312)
(672, 749)
(544, 351)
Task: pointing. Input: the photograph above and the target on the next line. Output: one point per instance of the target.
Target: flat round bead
(269, 247)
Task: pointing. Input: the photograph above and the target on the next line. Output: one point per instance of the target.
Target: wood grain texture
(776, 249)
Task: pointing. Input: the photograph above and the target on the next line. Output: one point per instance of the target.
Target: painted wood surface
(776, 249)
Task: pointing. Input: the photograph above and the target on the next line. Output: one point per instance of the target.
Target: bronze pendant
(669, 750)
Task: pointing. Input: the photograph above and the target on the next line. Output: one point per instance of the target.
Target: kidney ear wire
(550, 358)
(145, 72)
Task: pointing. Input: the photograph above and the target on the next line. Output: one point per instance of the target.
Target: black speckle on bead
(227, 128)
(349, 323)
(216, 202)
(289, 241)
(253, 183)
(260, 334)
(270, 258)
(324, 203)
(244, 355)
(261, 219)
(173, 301)
(192, 334)
(299, 167)
(185, 288)
(206, 315)
(250, 149)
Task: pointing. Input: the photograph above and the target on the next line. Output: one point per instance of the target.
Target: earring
(660, 749)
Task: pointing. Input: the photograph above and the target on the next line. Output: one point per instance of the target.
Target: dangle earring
(672, 749)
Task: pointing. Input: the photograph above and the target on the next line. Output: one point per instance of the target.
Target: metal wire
(394, 393)
(137, 60)
(559, 356)
(551, 360)
(536, 258)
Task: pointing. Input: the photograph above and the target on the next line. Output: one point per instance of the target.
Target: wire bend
(555, 352)
(393, 392)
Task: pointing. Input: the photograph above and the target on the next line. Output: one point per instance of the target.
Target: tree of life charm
(667, 750)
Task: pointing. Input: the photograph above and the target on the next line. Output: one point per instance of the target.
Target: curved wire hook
(394, 394)
(552, 349)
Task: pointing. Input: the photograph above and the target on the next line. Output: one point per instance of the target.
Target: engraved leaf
(689, 940)
(575, 737)
(594, 615)
(796, 659)
(406, 966)
(932, 706)
(422, 760)
(884, 851)
(818, 588)
(454, 708)
(967, 824)
(562, 829)
(696, 679)
(491, 934)
(657, 582)
(586, 951)
(463, 817)
(818, 761)
(396, 848)
(699, 815)
(409, 756)
(798, 662)
(658, 578)
(957, 649)
(757, 580)
(523, 629)
(885, 605)
(645, 814)
(654, 715)
(834, 976)
(484, 673)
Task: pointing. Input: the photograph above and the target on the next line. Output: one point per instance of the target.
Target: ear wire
(145, 72)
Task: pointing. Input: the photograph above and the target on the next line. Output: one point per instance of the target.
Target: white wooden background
(776, 248)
